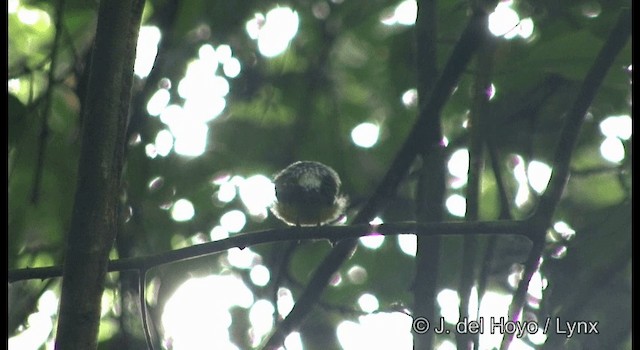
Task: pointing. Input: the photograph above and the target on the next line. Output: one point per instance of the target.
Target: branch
(477, 134)
(430, 188)
(44, 126)
(94, 218)
(543, 215)
(331, 233)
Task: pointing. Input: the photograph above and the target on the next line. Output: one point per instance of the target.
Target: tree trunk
(95, 213)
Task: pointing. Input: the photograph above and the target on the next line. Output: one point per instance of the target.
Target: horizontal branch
(332, 233)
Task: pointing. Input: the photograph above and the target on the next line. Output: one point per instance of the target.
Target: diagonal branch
(543, 215)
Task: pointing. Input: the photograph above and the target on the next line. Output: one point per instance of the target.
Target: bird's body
(308, 194)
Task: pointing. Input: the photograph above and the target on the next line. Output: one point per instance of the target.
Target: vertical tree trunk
(95, 213)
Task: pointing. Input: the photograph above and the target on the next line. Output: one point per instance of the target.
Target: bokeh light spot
(147, 49)
(456, 205)
(617, 126)
(612, 149)
(257, 193)
(538, 174)
(233, 221)
(365, 135)
(368, 302)
(182, 210)
(408, 244)
(260, 275)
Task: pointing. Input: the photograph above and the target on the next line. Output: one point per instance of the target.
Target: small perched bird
(308, 194)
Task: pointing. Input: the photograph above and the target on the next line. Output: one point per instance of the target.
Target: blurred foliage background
(227, 93)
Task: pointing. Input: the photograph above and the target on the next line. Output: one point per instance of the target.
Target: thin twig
(44, 126)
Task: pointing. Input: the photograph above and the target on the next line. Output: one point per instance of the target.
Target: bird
(308, 194)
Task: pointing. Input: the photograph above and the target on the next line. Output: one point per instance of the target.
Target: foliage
(344, 67)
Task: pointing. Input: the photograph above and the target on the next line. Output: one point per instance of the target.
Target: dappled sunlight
(368, 302)
(612, 150)
(274, 31)
(226, 193)
(357, 274)
(293, 341)
(537, 283)
(506, 22)
(446, 345)
(242, 258)
(449, 301)
(520, 175)
(13, 85)
(408, 243)
(456, 205)
(163, 143)
(538, 174)
(617, 126)
(39, 324)
(261, 319)
(365, 135)
(615, 129)
(374, 240)
(257, 193)
(376, 331)
(565, 231)
(285, 302)
(410, 98)
(158, 102)
(204, 92)
(260, 275)
(458, 167)
(220, 99)
(182, 210)
(233, 221)
(197, 315)
(12, 6)
(493, 304)
(404, 13)
(217, 233)
(31, 16)
(148, 41)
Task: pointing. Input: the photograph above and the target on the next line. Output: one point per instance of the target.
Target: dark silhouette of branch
(430, 187)
(543, 215)
(477, 135)
(331, 233)
(44, 125)
(95, 216)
